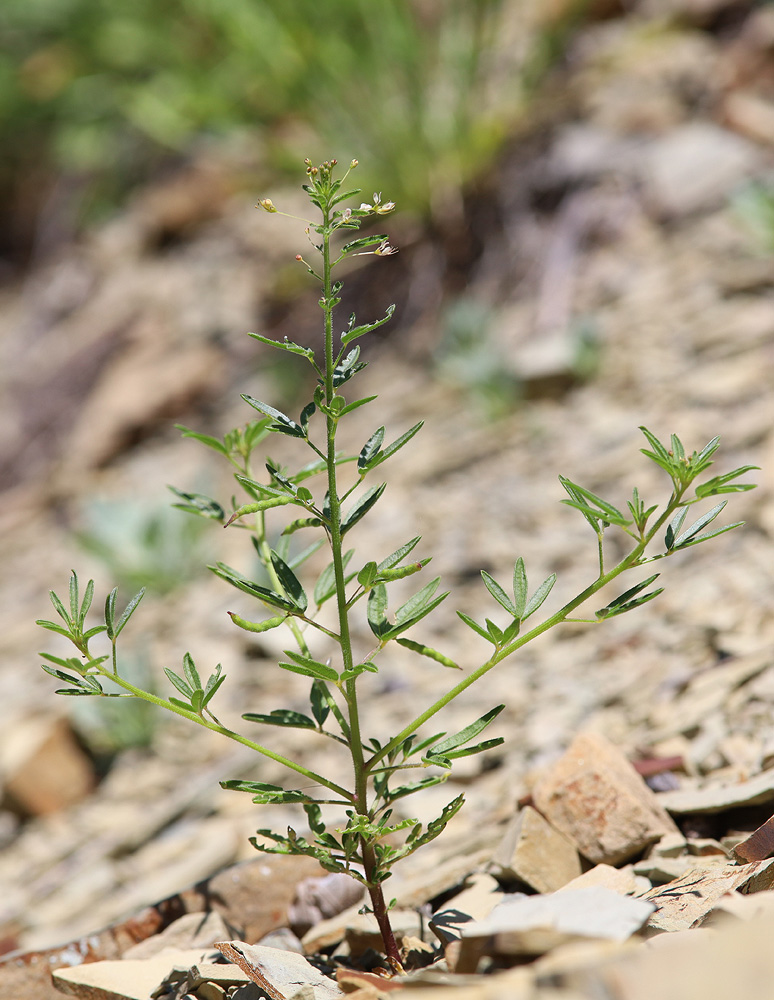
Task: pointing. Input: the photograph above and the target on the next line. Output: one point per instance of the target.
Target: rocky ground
(602, 278)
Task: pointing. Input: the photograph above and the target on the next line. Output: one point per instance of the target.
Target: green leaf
(539, 596)
(519, 587)
(370, 448)
(499, 594)
(396, 445)
(191, 673)
(353, 332)
(367, 575)
(282, 717)
(356, 404)
(674, 527)
(282, 423)
(305, 554)
(475, 626)
(318, 700)
(182, 686)
(312, 668)
(723, 484)
(60, 609)
(700, 523)
(205, 439)
(710, 534)
(88, 597)
(348, 367)
(213, 683)
(198, 503)
(625, 602)
(419, 601)
(398, 555)
(376, 611)
(447, 747)
(74, 604)
(432, 654)
(363, 243)
(53, 627)
(264, 794)
(248, 587)
(287, 345)
(290, 582)
(361, 507)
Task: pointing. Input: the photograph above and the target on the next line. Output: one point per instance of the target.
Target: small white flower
(384, 249)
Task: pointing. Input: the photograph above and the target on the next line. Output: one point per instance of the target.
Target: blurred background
(585, 195)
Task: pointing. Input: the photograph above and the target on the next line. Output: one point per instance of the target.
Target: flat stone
(595, 797)
(594, 912)
(720, 798)
(621, 880)
(534, 852)
(475, 902)
(130, 980)
(282, 974)
(685, 902)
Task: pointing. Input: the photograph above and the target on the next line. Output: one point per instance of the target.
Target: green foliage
(107, 89)
(332, 494)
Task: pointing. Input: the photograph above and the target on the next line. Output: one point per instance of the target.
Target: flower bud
(353, 164)
(266, 204)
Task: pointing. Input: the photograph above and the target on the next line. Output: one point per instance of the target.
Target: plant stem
(350, 687)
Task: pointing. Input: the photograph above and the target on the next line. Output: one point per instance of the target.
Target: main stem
(350, 691)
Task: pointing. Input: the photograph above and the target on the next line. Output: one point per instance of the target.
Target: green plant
(331, 495)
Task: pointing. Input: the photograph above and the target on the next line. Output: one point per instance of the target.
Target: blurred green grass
(98, 93)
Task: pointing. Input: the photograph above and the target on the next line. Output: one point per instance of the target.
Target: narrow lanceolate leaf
(432, 654)
(213, 683)
(724, 484)
(475, 626)
(709, 534)
(204, 439)
(290, 582)
(419, 601)
(286, 345)
(448, 746)
(674, 527)
(363, 243)
(282, 717)
(282, 423)
(358, 331)
(319, 702)
(499, 594)
(88, 597)
(370, 448)
(398, 555)
(377, 611)
(519, 587)
(312, 668)
(356, 404)
(198, 503)
(539, 596)
(74, 604)
(396, 445)
(60, 609)
(248, 587)
(626, 601)
(362, 506)
(182, 686)
(264, 793)
(700, 523)
(263, 626)
(191, 673)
